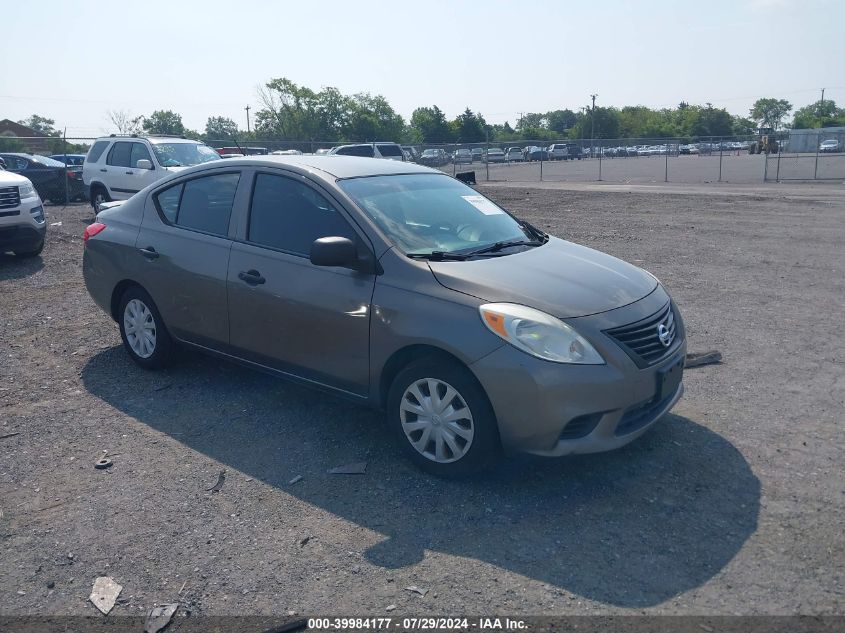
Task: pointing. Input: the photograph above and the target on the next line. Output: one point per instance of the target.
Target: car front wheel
(443, 418)
(142, 330)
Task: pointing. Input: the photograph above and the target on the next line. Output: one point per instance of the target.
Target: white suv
(22, 224)
(118, 166)
(391, 151)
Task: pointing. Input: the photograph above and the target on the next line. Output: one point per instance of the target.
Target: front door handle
(129, 173)
(103, 169)
(149, 252)
(252, 277)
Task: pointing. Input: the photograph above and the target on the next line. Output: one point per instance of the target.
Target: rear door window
(389, 150)
(202, 204)
(357, 150)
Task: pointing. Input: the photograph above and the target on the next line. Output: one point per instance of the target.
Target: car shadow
(14, 267)
(630, 528)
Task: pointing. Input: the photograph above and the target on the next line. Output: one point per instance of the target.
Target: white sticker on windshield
(483, 204)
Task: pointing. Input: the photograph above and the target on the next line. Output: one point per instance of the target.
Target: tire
(473, 430)
(98, 196)
(137, 308)
(33, 253)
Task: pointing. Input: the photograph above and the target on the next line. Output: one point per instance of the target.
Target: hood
(561, 278)
(11, 179)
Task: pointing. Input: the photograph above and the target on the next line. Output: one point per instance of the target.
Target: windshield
(179, 154)
(423, 213)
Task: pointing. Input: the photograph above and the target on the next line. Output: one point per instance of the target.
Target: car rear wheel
(443, 419)
(142, 330)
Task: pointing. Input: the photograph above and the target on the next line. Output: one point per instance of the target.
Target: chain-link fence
(808, 155)
(801, 155)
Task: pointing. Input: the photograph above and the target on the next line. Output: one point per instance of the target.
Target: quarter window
(202, 204)
(96, 151)
(357, 150)
(288, 215)
(119, 155)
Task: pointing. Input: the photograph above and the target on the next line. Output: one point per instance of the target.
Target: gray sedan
(394, 285)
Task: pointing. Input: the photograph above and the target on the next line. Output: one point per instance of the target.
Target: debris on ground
(390, 607)
(416, 589)
(55, 224)
(304, 541)
(8, 435)
(104, 593)
(296, 479)
(703, 358)
(220, 479)
(160, 617)
(358, 468)
(103, 463)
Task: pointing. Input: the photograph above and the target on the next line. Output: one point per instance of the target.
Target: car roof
(334, 165)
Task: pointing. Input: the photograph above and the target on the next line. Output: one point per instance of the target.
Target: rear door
(116, 173)
(284, 312)
(183, 254)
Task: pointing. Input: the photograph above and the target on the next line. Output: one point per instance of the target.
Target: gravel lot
(733, 504)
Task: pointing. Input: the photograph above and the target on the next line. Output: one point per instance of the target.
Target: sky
(74, 62)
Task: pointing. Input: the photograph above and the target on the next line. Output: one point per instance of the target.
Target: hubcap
(436, 420)
(140, 328)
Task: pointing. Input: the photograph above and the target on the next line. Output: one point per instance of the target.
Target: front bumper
(19, 229)
(554, 409)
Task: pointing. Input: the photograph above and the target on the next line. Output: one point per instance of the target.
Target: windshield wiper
(533, 229)
(498, 246)
(439, 256)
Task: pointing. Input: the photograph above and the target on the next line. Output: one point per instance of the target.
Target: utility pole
(593, 127)
(247, 118)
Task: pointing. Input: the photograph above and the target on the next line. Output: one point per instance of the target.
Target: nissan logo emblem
(664, 335)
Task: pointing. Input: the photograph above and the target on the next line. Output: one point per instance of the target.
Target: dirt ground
(731, 505)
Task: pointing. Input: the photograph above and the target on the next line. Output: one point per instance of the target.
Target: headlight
(538, 334)
(27, 191)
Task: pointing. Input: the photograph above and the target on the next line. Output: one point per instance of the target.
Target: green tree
(40, 124)
(769, 112)
(819, 114)
(220, 128)
(373, 119)
(606, 124)
(469, 127)
(560, 121)
(164, 122)
(431, 125)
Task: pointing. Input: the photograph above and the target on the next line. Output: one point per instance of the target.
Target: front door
(286, 313)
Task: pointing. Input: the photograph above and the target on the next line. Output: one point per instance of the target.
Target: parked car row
(52, 179)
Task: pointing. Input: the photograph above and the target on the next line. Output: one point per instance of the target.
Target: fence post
(454, 167)
(765, 167)
(666, 173)
(816, 168)
(542, 149)
(487, 157)
(777, 173)
(721, 143)
(592, 150)
(64, 147)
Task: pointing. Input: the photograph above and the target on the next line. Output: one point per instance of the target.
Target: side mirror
(144, 164)
(334, 251)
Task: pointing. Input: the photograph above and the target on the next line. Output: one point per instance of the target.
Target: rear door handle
(103, 169)
(129, 173)
(149, 252)
(252, 277)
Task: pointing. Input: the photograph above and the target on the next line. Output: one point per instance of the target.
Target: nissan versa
(395, 285)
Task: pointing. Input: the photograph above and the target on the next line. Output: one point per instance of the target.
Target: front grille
(641, 340)
(9, 197)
